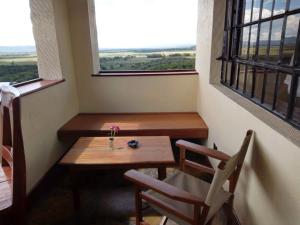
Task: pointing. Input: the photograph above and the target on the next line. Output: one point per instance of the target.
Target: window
(18, 61)
(156, 35)
(261, 54)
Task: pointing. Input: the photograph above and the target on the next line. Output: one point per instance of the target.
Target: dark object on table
(133, 144)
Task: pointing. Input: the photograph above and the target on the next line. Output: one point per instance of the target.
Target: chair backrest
(229, 170)
(12, 146)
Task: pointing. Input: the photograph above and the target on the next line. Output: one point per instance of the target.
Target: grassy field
(147, 60)
(18, 68)
(19, 59)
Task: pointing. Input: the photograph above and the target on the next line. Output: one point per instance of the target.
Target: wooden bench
(12, 158)
(175, 125)
(5, 187)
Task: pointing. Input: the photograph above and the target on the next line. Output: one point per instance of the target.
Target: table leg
(162, 172)
(75, 191)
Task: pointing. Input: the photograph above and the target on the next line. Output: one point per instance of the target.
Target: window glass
(275, 39)
(253, 40)
(263, 40)
(248, 10)
(294, 4)
(263, 62)
(18, 60)
(291, 33)
(259, 82)
(245, 41)
(146, 35)
(267, 8)
(256, 10)
(279, 7)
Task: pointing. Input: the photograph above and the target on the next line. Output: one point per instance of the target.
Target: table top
(153, 151)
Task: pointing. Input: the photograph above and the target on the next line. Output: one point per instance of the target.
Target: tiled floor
(106, 200)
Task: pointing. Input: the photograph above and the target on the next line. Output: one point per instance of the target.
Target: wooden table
(95, 153)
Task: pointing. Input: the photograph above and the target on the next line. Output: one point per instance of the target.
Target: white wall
(44, 112)
(268, 190)
(127, 94)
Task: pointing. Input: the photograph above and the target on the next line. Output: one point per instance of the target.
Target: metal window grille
(261, 54)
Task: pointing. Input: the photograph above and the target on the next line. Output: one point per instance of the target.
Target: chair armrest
(161, 187)
(202, 150)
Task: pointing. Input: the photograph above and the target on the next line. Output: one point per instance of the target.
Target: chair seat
(194, 186)
(5, 195)
(5, 174)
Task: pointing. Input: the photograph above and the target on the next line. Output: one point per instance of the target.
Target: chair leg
(229, 210)
(210, 221)
(138, 207)
(164, 220)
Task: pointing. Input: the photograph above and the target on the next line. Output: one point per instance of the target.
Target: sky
(292, 20)
(146, 23)
(131, 23)
(15, 23)
(120, 24)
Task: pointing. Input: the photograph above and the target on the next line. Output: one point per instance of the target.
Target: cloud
(292, 25)
(265, 14)
(291, 30)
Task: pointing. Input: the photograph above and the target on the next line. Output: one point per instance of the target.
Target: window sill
(145, 73)
(36, 85)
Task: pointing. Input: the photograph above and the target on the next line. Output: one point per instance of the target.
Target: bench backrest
(12, 147)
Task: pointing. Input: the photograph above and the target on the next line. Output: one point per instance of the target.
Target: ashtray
(133, 144)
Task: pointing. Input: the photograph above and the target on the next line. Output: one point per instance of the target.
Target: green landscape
(147, 59)
(17, 66)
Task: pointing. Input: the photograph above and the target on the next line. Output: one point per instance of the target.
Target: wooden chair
(12, 161)
(187, 199)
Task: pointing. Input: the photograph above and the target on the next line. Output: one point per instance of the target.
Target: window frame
(232, 47)
(119, 73)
